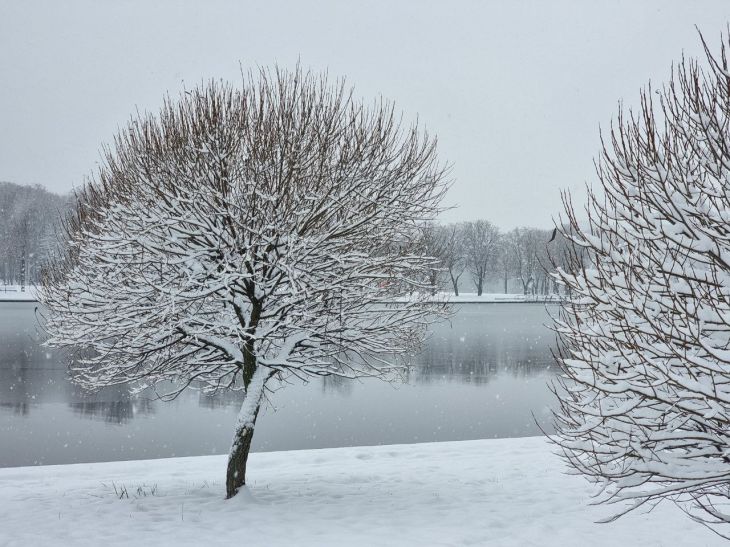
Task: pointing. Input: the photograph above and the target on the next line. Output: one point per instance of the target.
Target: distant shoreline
(556, 302)
(488, 299)
(505, 302)
(13, 293)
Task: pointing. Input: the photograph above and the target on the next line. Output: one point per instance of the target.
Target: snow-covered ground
(15, 294)
(506, 492)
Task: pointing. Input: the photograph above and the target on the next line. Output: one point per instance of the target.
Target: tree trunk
(238, 456)
(455, 283)
(433, 280)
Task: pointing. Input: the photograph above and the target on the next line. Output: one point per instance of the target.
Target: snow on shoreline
(14, 293)
(491, 298)
(495, 298)
(500, 492)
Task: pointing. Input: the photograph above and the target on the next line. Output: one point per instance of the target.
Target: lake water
(483, 375)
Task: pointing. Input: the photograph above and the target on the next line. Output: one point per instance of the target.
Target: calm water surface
(483, 375)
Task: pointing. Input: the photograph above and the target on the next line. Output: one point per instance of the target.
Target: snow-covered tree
(645, 397)
(452, 255)
(545, 246)
(433, 244)
(480, 246)
(246, 234)
(524, 247)
(29, 216)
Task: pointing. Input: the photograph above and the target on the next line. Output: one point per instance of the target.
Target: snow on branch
(645, 397)
(261, 226)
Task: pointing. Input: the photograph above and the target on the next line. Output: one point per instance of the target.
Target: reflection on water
(219, 400)
(114, 412)
(482, 375)
(21, 409)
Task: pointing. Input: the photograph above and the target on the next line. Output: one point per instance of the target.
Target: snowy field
(13, 293)
(506, 492)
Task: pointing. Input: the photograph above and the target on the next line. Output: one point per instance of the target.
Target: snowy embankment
(473, 298)
(16, 293)
(489, 492)
(490, 298)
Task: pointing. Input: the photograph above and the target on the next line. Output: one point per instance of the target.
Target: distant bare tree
(480, 245)
(433, 244)
(248, 234)
(505, 266)
(544, 282)
(645, 389)
(29, 218)
(452, 253)
(523, 246)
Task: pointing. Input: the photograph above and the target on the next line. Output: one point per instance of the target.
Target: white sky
(515, 90)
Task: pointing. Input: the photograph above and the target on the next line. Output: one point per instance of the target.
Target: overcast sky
(515, 91)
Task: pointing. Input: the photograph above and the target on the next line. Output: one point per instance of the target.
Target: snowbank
(490, 493)
(13, 293)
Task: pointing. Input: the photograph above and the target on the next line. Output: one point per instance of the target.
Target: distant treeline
(29, 219)
(473, 256)
(476, 256)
